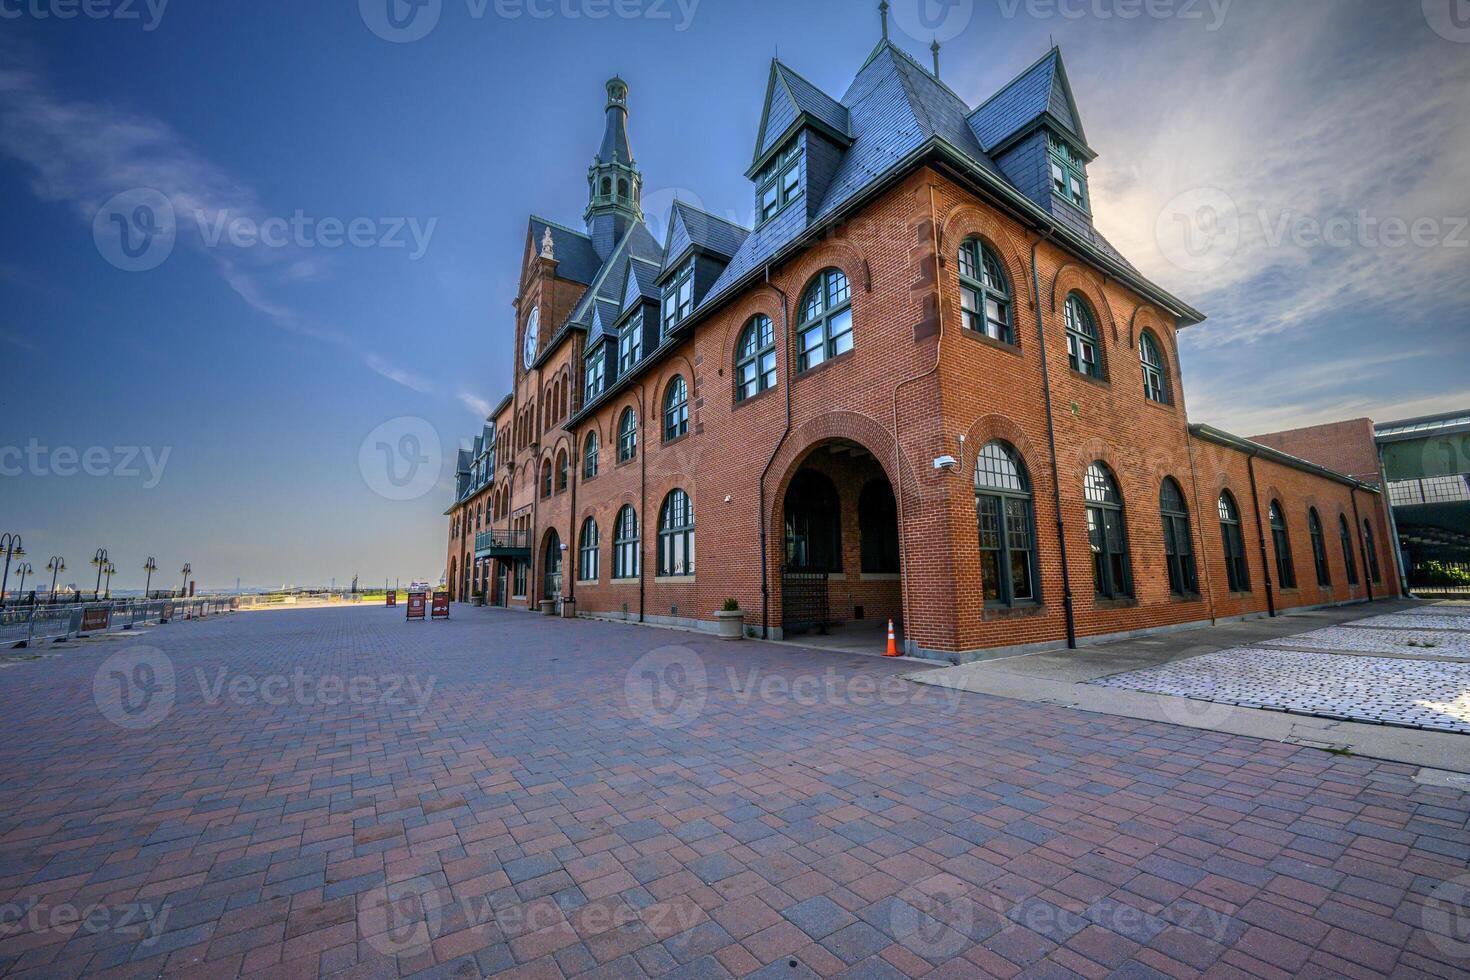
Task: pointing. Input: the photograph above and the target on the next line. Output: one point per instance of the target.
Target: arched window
(589, 457)
(755, 358)
(625, 543)
(1348, 560)
(1236, 572)
(1178, 544)
(607, 187)
(1155, 374)
(1281, 543)
(627, 435)
(546, 478)
(561, 470)
(622, 187)
(813, 524)
(1107, 534)
(985, 295)
(1007, 527)
(824, 329)
(587, 545)
(1319, 548)
(676, 409)
(676, 535)
(551, 566)
(1375, 574)
(1082, 339)
(878, 528)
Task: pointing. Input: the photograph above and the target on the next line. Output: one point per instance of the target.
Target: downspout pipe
(642, 503)
(761, 489)
(1068, 604)
(1250, 465)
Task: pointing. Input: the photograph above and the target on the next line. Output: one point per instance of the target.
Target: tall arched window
(1348, 558)
(1281, 544)
(1236, 572)
(625, 543)
(587, 544)
(1107, 534)
(589, 457)
(1375, 574)
(824, 328)
(813, 524)
(562, 467)
(1083, 345)
(755, 358)
(676, 535)
(878, 528)
(1319, 548)
(546, 478)
(1178, 544)
(627, 435)
(1007, 528)
(676, 409)
(985, 295)
(1155, 372)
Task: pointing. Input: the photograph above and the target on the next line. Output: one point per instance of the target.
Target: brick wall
(1347, 447)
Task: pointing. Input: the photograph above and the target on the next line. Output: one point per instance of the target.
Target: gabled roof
(1041, 90)
(791, 102)
(607, 285)
(691, 229)
(576, 259)
(641, 285)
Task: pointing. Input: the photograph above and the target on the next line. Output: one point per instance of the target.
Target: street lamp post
(25, 569)
(10, 544)
(187, 571)
(100, 560)
(150, 566)
(109, 571)
(55, 566)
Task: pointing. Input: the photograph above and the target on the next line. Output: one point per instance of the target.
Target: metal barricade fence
(25, 624)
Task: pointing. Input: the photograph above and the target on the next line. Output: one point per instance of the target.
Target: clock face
(533, 328)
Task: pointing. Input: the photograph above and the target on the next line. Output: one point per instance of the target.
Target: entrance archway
(551, 564)
(839, 558)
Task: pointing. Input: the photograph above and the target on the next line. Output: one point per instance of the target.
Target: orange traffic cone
(892, 642)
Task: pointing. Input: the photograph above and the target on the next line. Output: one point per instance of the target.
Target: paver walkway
(336, 791)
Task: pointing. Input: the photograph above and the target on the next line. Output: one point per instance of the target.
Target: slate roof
(642, 284)
(789, 98)
(1040, 89)
(576, 259)
(606, 287)
(691, 228)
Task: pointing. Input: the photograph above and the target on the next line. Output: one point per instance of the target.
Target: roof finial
(883, 13)
(935, 48)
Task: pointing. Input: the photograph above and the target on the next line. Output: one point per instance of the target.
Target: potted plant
(479, 598)
(731, 620)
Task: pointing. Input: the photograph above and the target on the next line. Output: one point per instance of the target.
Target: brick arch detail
(963, 221)
(764, 301)
(1074, 277)
(989, 428)
(851, 426)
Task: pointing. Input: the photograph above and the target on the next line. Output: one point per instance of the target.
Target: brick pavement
(548, 813)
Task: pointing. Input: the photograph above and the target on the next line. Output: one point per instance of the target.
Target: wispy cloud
(474, 403)
(81, 153)
(16, 340)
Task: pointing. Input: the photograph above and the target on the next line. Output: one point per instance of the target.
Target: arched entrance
(551, 565)
(839, 560)
(453, 579)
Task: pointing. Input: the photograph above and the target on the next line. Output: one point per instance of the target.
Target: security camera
(945, 463)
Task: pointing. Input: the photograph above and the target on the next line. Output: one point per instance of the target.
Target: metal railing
(494, 540)
(26, 624)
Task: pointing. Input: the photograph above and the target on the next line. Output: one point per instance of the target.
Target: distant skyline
(273, 388)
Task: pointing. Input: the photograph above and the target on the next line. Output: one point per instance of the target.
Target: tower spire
(614, 183)
(883, 13)
(935, 48)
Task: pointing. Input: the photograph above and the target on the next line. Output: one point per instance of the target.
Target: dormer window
(1068, 172)
(593, 374)
(780, 183)
(679, 297)
(630, 344)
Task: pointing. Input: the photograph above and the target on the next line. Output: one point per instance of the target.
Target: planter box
(569, 609)
(548, 607)
(732, 624)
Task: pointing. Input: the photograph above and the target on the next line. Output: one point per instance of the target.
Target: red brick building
(923, 388)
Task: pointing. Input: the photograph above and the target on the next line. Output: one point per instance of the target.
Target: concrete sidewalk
(1061, 678)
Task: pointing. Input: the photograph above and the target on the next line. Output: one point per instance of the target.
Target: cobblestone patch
(1353, 638)
(1415, 620)
(1374, 689)
(338, 792)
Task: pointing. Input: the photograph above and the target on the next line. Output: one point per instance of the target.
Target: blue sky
(1254, 157)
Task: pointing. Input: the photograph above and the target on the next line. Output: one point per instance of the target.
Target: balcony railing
(503, 544)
